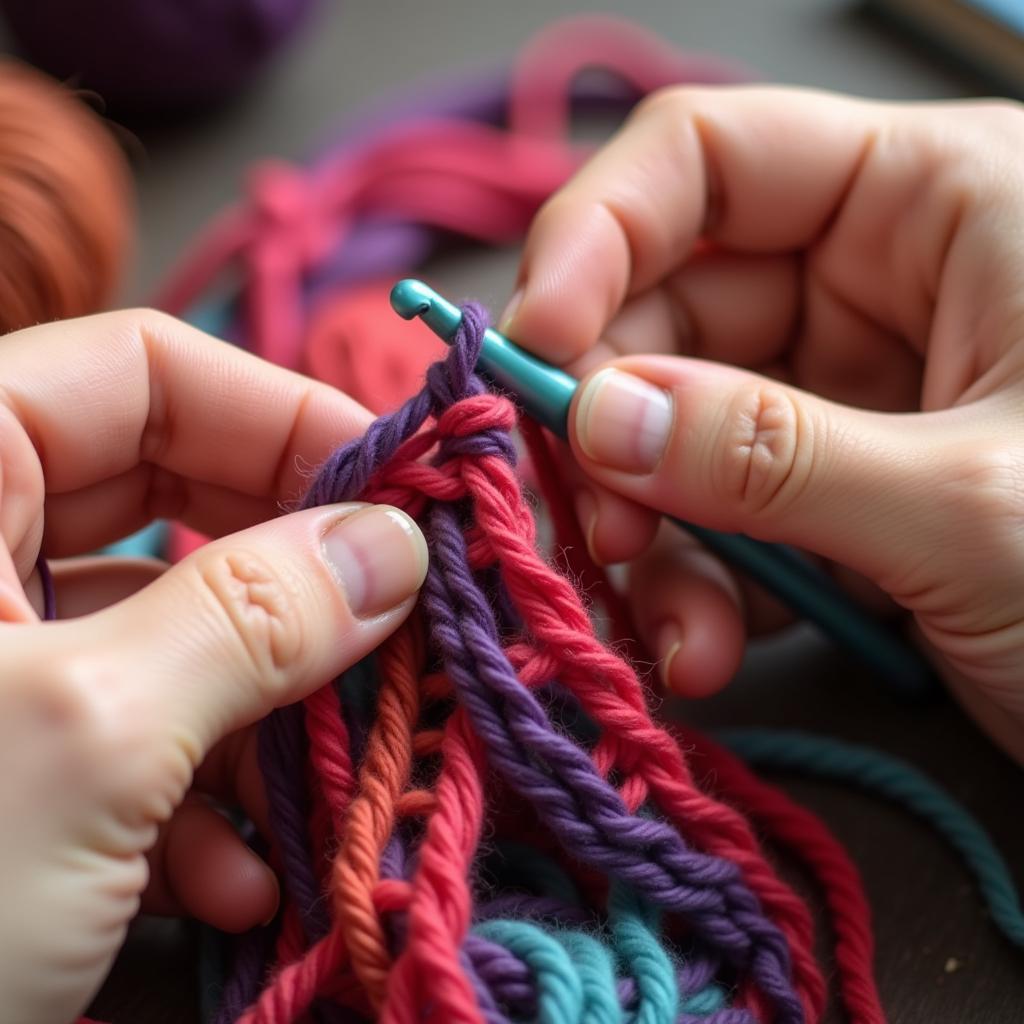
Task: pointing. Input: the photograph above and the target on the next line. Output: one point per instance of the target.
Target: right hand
(867, 260)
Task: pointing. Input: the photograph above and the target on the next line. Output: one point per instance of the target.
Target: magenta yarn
(154, 56)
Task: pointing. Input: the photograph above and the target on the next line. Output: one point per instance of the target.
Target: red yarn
(785, 821)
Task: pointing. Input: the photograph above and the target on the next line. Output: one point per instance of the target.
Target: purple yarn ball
(153, 56)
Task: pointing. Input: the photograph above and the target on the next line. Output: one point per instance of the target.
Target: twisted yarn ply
(667, 910)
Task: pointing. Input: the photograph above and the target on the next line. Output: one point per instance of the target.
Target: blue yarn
(898, 781)
(593, 963)
(146, 543)
(633, 925)
(560, 997)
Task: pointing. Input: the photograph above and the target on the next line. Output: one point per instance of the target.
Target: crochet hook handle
(545, 393)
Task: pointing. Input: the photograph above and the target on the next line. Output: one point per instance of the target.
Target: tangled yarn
(643, 898)
(481, 821)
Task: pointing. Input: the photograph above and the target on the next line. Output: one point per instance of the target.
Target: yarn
(624, 809)
(65, 208)
(459, 156)
(638, 896)
(894, 779)
(151, 56)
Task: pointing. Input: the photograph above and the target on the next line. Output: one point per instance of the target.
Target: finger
(737, 452)
(19, 602)
(881, 197)
(86, 585)
(202, 868)
(730, 307)
(615, 529)
(240, 627)
(146, 389)
(689, 614)
(92, 517)
(690, 161)
(758, 312)
(231, 774)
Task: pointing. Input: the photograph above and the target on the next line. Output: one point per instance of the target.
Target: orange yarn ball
(66, 209)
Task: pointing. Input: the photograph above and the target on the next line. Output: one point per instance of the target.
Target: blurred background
(334, 55)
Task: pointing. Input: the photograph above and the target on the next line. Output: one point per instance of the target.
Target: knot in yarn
(477, 427)
(347, 473)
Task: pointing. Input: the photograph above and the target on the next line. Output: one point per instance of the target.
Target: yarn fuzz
(486, 825)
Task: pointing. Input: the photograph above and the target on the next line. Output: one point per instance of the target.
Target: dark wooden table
(927, 911)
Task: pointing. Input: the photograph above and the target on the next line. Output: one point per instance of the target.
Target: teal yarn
(593, 963)
(633, 924)
(560, 993)
(888, 776)
(146, 543)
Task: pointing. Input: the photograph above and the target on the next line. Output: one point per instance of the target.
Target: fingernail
(505, 321)
(586, 516)
(378, 556)
(667, 644)
(623, 422)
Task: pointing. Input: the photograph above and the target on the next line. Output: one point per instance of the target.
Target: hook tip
(411, 298)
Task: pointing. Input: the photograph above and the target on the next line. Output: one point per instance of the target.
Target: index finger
(755, 169)
(97, 397)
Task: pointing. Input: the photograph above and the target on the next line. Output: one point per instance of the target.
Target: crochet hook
(545, 394)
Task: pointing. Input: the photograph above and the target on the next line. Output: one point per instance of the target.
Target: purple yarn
(371, 250)
(582, 809)
(154, 56)
(347, 471)
(248, 969)
(282, 760)
(535, 908)
(508, 980)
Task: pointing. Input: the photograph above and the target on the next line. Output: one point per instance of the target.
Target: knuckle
(85, 703)
(667, 103)
(1005, 116)
(986, 496)
(764, 450)
(260, 605)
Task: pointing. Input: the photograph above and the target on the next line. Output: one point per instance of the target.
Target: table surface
(927, 911)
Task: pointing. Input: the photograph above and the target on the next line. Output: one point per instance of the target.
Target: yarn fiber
(384, 844)
(66, 215)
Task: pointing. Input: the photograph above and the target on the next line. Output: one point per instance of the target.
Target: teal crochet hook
(545, 394)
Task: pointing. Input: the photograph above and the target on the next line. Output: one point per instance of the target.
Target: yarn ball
(66, 210)
(154, 56)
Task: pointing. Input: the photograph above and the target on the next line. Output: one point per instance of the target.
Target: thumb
(260, 619)
(737, 452)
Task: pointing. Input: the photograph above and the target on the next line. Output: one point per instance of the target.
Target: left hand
(126, 726)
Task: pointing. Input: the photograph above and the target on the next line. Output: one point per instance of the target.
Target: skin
(130, 722)
(864, 259)
(831, 294)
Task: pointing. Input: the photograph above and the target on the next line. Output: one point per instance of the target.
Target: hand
(867, 260)
(124, 726)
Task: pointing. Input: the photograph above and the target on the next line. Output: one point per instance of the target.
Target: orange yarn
(383, 777)
(65, 203)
